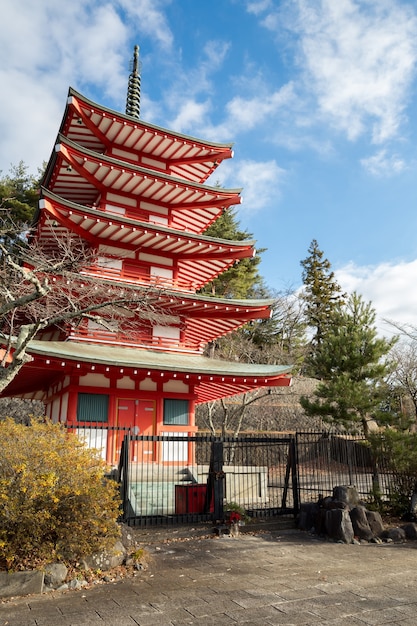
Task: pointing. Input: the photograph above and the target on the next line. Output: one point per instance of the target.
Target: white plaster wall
(94, 380)
(166, 332)
(176, 386)
(55, 410)
(147, 385)
(64, 408)
(125, 383)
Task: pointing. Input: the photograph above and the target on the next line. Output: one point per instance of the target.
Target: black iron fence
(177, 478)
(196, 477)
(326, 459)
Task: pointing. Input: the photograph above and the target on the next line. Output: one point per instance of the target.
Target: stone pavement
(275, 577)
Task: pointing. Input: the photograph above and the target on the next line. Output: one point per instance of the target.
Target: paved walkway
(257, 580)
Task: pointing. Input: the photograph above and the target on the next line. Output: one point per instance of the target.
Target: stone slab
(20, 583)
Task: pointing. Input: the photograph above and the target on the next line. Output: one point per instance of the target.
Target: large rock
(360, 523)
(106, 560)
(346, 494)
(395, 534)
(375, 522)
(410, 530)
(308, 516)
(339, 525)
(321, 522)
(20, 583)
(55, 574)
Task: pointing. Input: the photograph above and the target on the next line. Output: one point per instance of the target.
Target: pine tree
(19, 194)
(352, 360)
(321, 295)
(243, 279)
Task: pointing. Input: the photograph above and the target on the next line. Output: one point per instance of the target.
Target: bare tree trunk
(211, 407)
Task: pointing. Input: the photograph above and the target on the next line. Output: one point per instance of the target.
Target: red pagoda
(136, 194)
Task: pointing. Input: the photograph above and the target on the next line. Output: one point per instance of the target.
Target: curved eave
(84, 177)
(205, 319)
(209, 378)
(198, 258)
(102, 130)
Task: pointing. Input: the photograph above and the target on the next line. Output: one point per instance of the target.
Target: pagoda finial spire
(133, 90)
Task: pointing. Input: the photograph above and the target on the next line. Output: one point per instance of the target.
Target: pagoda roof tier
(85, 177)
(198, 259)
(211, 378)
(202, 318)
(207, 318)
(104, 130)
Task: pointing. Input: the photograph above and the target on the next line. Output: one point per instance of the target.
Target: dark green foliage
(351, 360)
(396, 452)
(274, 340)
(321, 295)
(243, 279)
(19, 195)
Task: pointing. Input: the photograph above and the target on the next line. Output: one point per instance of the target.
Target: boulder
(394, 534)
(410, 530)
(360, 523)
(337, 504)
(55, 574)
(106, 560)
(346, 494)
(325, 503)
(321, 522)
(127, 537)
(308, 515)
(77, 584)
(375, 522)
(339, 525)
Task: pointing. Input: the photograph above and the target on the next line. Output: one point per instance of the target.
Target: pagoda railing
(133, 339)
(140, 278)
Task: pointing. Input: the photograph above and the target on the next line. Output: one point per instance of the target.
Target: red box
(190, 498)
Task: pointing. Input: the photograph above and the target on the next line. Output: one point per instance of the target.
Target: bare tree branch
(44, 284)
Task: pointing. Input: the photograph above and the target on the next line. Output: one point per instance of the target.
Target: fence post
(294, 472)
(124, 462)
(216, 480)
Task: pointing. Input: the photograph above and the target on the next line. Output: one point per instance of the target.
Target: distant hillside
(280, 411)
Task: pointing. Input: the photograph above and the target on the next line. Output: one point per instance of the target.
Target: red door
(139, 416)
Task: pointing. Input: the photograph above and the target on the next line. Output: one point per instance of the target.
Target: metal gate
(195, 478)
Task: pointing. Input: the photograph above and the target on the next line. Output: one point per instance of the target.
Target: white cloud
(382, 164)
(261, 182)
(216, 52)
(389, 286)
(198, 80)
(150, 19)
(359, 60)
(258, 6)
(51, 45)
(189, 96)
(247, 113)
(191, 114)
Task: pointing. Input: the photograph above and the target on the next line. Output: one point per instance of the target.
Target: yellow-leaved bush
(55, 502)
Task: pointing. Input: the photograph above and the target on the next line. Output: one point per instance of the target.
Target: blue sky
(318, 97)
